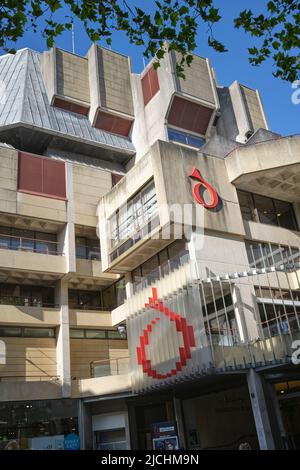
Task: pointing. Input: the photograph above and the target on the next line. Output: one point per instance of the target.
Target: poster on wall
(164, 436)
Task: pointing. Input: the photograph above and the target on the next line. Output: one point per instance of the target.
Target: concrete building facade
(149, 258)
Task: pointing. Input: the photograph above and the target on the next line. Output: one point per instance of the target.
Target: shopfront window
(37, 425)
(266, 210)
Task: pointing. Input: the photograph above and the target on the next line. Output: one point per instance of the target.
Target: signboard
(72, 442)
(164, 436)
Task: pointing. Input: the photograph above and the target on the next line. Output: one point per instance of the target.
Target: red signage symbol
(196, 191)
(186, 330)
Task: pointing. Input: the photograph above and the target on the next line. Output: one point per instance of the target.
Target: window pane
(45, 243)
(95, 334)
(80, 247)
(285, 214)
(246, 205)
(120, 292)
(114, 334)
(23, 240)
(39, 332)
(76, 333)
(266, 210)
(10, 331)
(5, 237)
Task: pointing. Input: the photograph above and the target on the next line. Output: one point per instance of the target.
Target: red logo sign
(204, 184)
(186, 330)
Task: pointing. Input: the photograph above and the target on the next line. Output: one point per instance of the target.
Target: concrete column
(245, 308)
(128, 285)
(85, 426)
(180, 422)
(260, 411)
(63, 339)
(69, 238)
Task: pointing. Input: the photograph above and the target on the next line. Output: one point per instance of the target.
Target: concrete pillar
(245, 308)
(63, 339)
(128, 285)
(69, 239)
(85, 426)
(180, 422)
(260, 411)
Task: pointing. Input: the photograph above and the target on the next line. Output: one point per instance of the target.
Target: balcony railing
(45, 247)
(161, 271)
(26, 302)
(107, 367)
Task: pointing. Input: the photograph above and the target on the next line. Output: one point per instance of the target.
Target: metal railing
(33, 245)
(161, 271)
(107, 367)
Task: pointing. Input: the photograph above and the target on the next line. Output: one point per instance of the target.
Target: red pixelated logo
(182, 327)
(202, 185)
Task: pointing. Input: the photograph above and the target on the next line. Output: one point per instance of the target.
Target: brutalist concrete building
(149, 258)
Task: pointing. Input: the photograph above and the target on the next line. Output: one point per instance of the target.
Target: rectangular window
(181, 137)
(76, 333)
(27, 332)
(41, 176)
(95, 334)
(28, 240)
(266, 210)
(27, 295)
(150, 85)
(87, 248)
(39, 332)
(84, 299)
(130, 218)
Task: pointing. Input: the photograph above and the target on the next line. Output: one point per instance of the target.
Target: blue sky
(282, 114)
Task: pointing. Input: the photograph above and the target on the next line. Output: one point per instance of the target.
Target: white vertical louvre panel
(209, 327)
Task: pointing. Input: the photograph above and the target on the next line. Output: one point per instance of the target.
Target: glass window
(45, 243)
(120, 291)
(109, 297)
(285, 215)
(10, 331)
(181, 137)
(95, 334)
(267, 210)
(39, 332)
(24, 240)
(76, 333)
(131, 217)
(80, 247)
(246, 205)
(5, 239)
(114, 334)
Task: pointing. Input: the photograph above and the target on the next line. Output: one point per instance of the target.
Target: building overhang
(269, 168)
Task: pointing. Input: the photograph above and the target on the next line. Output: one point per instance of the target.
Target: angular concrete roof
(24, 101)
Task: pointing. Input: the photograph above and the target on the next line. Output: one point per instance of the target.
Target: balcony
(108, 367)
(107, 377)
(30, 254)
(22, 311)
